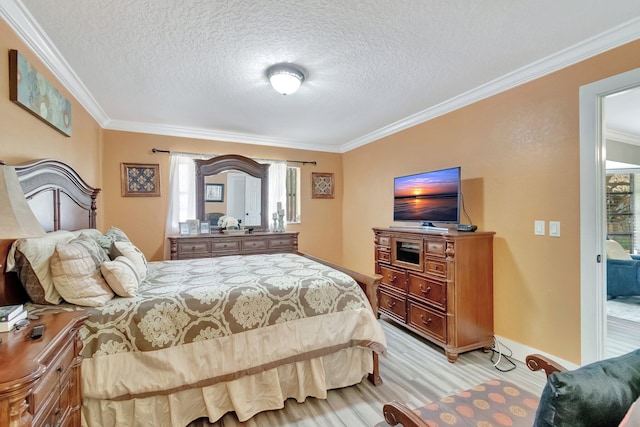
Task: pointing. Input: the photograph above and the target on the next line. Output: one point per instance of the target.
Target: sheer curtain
(182, 193)
(277, 187)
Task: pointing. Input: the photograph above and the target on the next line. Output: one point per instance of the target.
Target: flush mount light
(285, 78)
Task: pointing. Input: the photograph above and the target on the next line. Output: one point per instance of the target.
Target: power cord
(464, 209)
(497, 349)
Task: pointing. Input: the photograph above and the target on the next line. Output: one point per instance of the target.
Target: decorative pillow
(121, 276)
(128, 249)
(616, 251)
(30, 259)
(75, 267)
(113, 234)
(598, 394)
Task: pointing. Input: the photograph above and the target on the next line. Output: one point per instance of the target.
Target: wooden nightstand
(40, 379)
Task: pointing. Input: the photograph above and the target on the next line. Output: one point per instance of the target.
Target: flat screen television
(428, 197)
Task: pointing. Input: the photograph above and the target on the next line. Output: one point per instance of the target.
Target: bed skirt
(246, 396)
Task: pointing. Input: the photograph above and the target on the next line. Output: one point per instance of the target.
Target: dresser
(438, 284)
(40, 379)
(215, 245)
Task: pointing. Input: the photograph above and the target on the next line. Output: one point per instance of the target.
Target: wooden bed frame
(62, 200)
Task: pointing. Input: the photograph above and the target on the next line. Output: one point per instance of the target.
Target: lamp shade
(285, 78)
(16, 217)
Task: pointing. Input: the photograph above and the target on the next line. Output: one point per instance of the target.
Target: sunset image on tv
(429, 196)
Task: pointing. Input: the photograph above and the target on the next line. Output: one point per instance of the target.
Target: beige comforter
(200, 322)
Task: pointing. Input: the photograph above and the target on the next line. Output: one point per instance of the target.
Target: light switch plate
(554, 228)
(538, 227)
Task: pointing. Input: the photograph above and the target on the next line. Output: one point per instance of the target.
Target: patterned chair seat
(493, 403)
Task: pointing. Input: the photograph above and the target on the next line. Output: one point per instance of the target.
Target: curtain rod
(304, 162)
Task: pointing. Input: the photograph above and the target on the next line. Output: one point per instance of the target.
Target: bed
(203, 337)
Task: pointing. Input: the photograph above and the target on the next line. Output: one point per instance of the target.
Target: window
(293, 194)
(620, 209)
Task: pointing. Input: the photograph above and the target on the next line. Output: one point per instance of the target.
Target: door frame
(592, 212)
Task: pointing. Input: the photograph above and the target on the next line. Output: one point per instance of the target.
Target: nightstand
(40, 379)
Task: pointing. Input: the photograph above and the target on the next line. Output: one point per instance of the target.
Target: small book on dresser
(13, 317)
(8, 312)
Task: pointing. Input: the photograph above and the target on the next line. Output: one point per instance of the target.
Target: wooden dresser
(215, 245)
(438, 284)
(40, 379)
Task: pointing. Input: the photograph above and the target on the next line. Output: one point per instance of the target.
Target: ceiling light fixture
(285, 78)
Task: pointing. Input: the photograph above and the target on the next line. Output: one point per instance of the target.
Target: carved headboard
(60, 200)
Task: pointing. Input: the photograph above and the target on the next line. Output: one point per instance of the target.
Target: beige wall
(143, 218)
(24, 137)
(519, 153)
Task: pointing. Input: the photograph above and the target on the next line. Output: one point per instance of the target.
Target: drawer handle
(59, 369)
(193, 248)
(426, 322)
(57, 411)
(423, 290)
(392, 278)
(391, 304)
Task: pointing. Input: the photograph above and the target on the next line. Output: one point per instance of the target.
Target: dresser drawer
(428, 321)
(384, 241)
(226, 245)
(393, 277)
(429, 291)
(392, 305)
(383, 255)
(50, 382)
(254, 245)
(185, 248)
(435, 248)
(436, 268)
(280, 243)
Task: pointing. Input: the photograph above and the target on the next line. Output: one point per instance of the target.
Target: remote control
(36, 332)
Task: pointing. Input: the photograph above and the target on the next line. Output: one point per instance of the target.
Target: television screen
(428, 197)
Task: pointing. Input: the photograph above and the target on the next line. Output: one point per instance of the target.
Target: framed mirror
(245, 186)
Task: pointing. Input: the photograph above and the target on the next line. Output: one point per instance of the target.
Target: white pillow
(121, 276)
(128, 249)
(75, 268)
(616, 251)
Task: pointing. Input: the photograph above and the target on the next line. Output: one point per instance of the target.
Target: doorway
(592, 211)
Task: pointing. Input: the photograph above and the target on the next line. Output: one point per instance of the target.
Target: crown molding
(620, 136)
(617, 36)
(208, 134)
(25, 26)
(22, 22)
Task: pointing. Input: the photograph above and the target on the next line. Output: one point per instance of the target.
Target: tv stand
(439, 285)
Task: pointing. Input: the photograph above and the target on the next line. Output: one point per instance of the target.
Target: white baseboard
(521, 351)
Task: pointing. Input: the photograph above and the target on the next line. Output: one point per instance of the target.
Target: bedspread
(198, 322)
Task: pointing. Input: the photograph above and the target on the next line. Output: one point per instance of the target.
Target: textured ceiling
(197, 68)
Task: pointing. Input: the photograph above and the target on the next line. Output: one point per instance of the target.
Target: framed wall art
(140, 179)
(214, 193)
(33, 92)
(322, 185)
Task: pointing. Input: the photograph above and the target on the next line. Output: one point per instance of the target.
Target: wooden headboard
(60, 200)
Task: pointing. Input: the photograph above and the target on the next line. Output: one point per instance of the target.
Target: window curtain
(182, 193)
(277, 187)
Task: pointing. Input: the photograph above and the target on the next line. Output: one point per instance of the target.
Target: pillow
(113, 234)
(31, 259)
(599, 394)
(121, 276)
(75, 268)
(616, 251)
(127, 249)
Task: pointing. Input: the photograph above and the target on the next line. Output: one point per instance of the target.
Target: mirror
(237, 186)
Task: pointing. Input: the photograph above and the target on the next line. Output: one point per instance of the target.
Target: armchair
(623, 272)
